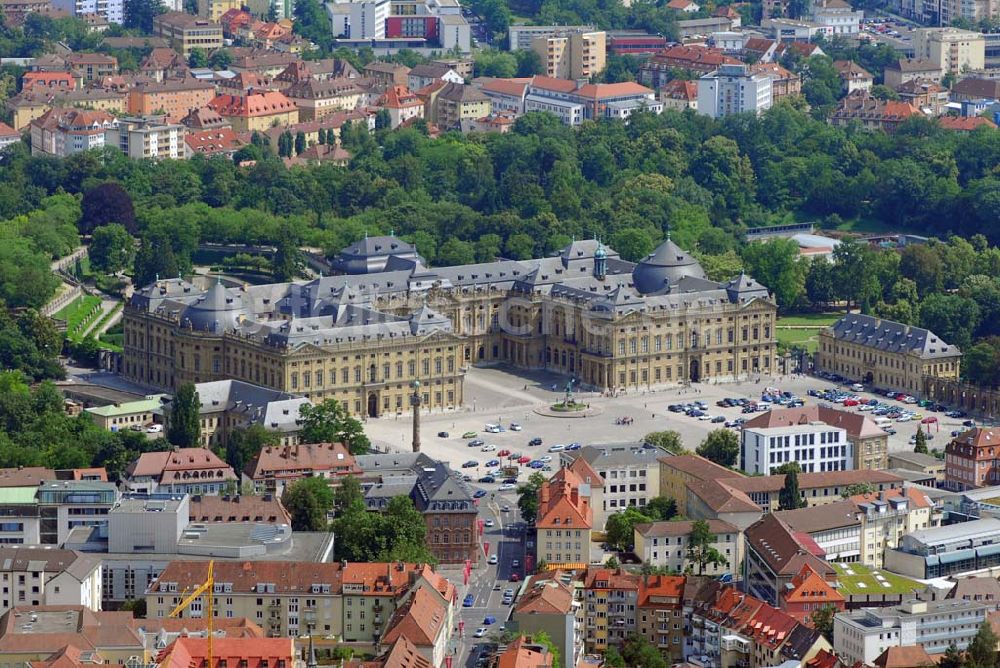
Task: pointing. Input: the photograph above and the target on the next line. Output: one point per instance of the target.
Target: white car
(904, 418)
(480, 632)
(557, 448)
(515, 426)
(154, 429)
(492, 561)
(488, 448)
(489, 523)
(545, 458)
(506, 487)
(705, 418)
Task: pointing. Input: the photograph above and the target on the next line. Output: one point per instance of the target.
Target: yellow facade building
(575, 54)
(362, 337)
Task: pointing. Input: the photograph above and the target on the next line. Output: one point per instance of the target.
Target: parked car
(486, 479)
(443, 434)
(488, 448)
(515, 426)
(503, 453)
(489, 619)
(471, 464)
(557, 448)
(535, 441)
(718, 419)
(493, 462)
(480, 632)
(480, 493)
(524, 460)
(477, 443)
(468, 601)
(469, 434)
(154, 429)
(492, 561)
(506, 487)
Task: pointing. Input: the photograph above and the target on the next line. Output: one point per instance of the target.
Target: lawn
(78, 313)
(817, 319)
(804, 338)
(863, 581)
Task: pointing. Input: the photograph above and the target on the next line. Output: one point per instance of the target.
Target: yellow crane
(206, 587)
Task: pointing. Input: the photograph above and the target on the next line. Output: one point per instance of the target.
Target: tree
(112, 248)
(155, 258)
(286, 144)
(822, 619)
(612, 658)
(632, 243)
(107, 203)
(300, 142)
(197, 59)
(542, 638)
(329, 422)
(789, 497)
(920, 442)
(244, 443)
(640, 653)
(775, 263)
(951, 317)
(220, 59)
(722, 447)
(612, 563)
(184, 417)
(701, 550)
(139, 14)
(982, 651)
(527, 497)
(668, 440)
(529, 63)
(287, 258)
(308, 501)
(620, 528)
(858, 489)
(661, 508)
(383, 120)
(952, 658)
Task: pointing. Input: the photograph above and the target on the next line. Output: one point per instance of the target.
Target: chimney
(574, 495)
(544, 495)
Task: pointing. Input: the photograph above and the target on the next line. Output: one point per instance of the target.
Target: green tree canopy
(308, 501)
(329, 422)
(721, 446)
(184, 417)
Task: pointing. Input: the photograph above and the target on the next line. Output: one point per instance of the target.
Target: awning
(958, 555)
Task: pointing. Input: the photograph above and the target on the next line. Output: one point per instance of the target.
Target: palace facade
(363, 336)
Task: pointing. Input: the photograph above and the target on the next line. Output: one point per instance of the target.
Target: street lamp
(415, 402)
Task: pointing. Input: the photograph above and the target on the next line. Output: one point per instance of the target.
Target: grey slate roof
(274, 409)
(891, 337)
(430, 484)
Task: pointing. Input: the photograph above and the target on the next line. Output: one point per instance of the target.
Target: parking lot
(500, 396)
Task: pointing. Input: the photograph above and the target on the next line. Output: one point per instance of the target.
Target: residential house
(215, 141)
(759, 49)
(971, 459)
(92, 66)
(775, 554)
(965, 124)
(629, 474)
(547, 604)
(385, 75)
(783, 82)
(33, 633)
(275, 467)
(872, 350)
(665, 544)
(974, 88)
(522, 653)
(45, 576)
(316, 99)
(869, 443)
(14, 11)
(656, 71)
(62, 132)
(904, 656)
(45, 80)
(204, 118)
(660, 613)
(255, 110)
(422, 620)
(245, 652)
(164, 63)
(329, 123)
(807, 593)
(679, 95)
(264, 63)
(611, 607)
(232, 20)
(8, 136)
(910, 69)
(455, 104)
(863, 635)
(427, 73)
(930, 97)
(180, 471)
(677, 471)
(214, 10)
(187, 32)
(401, 104)
(686, 6)
(853, 77)
(565, 520)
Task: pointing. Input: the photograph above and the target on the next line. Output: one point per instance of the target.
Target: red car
(524, 460)
(503, 453)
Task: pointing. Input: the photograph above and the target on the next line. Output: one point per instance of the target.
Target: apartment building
(91, 66)
(658, 69)
(316, 99)
(520, 37)
(733, 89)
(255, 110)
(665, 544)
(173, 97)
(63, 132)
(550, 603)
(815, 488)
(148, 138)
(423, 621)
(187, 32)
(571, 54)
(808, 592)
(629, 472)
(677, 471)
(816, 447)
(352, 602)
(863, 635)
(972, 459)
(47, 576)
(276, 467)
(565, 520)
(611, 599)
(402, 105)
(456, 105)
(660, 614)
(112, 11)
(774, 556)
(180, 471)
(951, 50)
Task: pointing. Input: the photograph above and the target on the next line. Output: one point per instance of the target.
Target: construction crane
(208, 588)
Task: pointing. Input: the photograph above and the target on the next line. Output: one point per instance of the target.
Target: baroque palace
(386, 319)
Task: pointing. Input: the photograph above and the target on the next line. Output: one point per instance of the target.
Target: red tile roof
(212, 142)
(420, 620)
(294, 461)
(249, 652)
(655, 588)
(603, 91)
(254, 104)
(965, 123)
(546, 597)
(210, 509)
(552, 84)
(521, 654)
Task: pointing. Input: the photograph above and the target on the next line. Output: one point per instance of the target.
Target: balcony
(735, 644)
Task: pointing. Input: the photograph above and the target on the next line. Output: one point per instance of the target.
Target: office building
(816, 447)
(733, 89)
(187, 32)
(629, 475)
(775, 555)
(947, 550)
(862, 635)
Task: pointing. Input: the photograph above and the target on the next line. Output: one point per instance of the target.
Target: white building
(732, 89)
(147, 137)
(112, 10)
(817, 447)
(664, 544)
(46, 576)
(46, 513)
(862, 635)
(359, 20)
(838, 17)
(521, 36)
